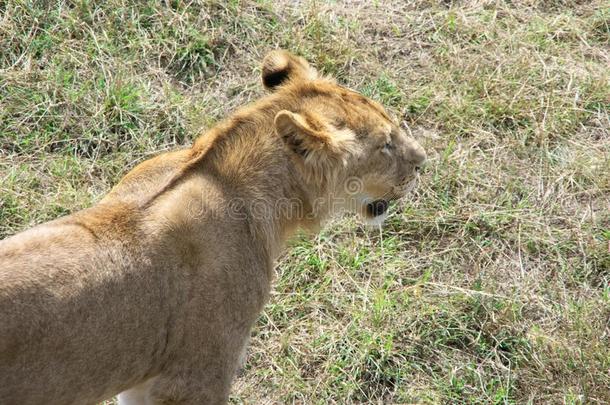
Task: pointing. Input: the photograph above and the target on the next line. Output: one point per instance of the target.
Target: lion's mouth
(377, 207)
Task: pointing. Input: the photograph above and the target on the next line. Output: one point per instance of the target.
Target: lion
(151, 293)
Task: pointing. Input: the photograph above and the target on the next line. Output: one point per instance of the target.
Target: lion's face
(388, 165)
(343, 139)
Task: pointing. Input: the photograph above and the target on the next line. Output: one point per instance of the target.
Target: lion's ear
(281, 66)
(308, 136)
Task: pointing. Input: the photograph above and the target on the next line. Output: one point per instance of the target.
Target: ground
(489, 285)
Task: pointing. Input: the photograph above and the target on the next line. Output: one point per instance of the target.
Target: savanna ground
(489, 285)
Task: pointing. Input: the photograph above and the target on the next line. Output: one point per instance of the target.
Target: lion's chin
(375, 222)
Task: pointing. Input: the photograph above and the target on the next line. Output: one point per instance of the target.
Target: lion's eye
(388, 147)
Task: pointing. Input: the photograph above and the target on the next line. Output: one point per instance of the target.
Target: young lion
(153, 291)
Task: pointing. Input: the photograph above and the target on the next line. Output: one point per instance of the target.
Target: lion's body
(144, 289)
(99, 318)
(160, 283)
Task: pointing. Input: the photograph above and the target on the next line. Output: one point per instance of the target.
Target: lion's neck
(250, 161)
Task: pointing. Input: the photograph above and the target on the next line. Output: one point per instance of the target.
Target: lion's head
(342, 139)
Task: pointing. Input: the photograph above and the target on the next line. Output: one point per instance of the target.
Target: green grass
(490, 286)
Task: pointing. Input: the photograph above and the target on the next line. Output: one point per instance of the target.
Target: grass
(490, 285)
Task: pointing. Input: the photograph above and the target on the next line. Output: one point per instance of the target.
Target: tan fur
(156, 287)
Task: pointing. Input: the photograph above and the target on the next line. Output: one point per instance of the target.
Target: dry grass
(490, 286)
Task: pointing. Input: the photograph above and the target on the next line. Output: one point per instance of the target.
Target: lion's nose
(417, 154)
